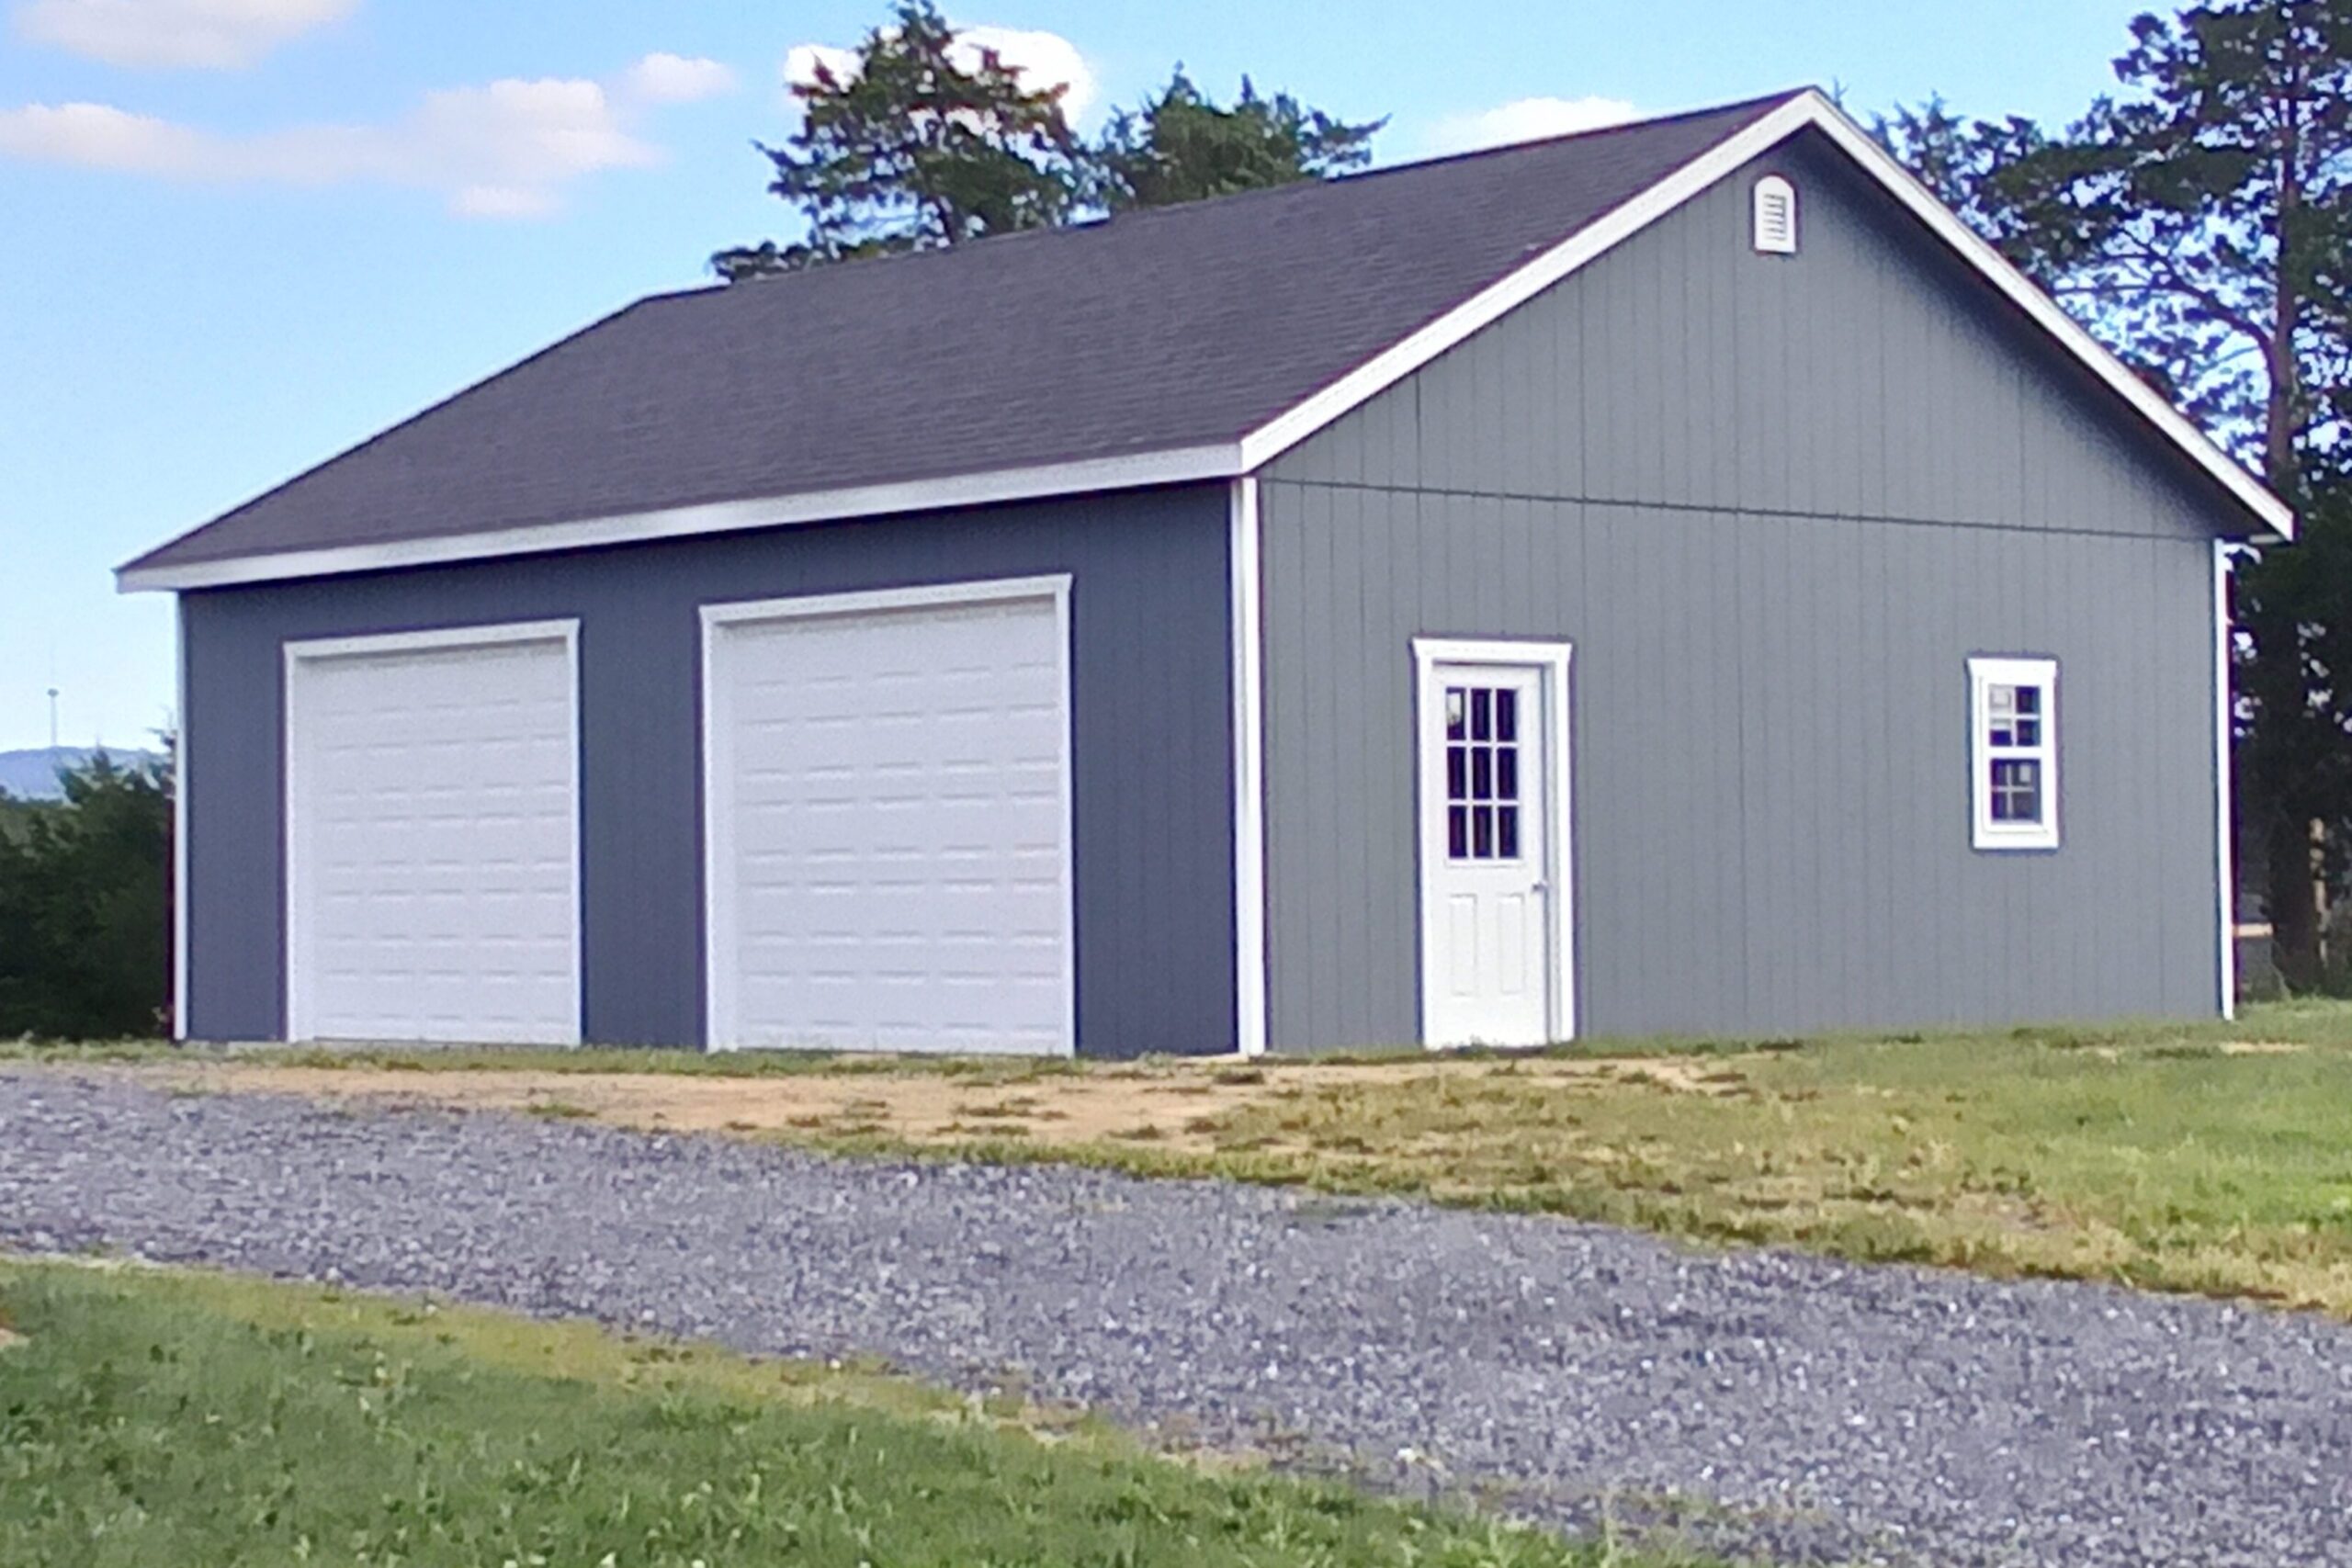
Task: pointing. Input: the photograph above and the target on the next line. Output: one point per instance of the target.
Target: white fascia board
(1260, 447)
(1809, 110)
(2046, 313)
(1391, 365)
(1181, 466)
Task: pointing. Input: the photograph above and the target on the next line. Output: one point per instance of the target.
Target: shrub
(85, 905)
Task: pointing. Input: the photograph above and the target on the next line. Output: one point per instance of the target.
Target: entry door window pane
(1482, 803)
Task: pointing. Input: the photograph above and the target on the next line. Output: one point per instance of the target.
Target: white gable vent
(1776, 216)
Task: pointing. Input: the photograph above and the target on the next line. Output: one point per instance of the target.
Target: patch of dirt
(2260, 1048)
(10, 1339)
(1175, 1106)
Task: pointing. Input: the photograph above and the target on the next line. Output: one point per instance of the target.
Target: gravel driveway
(1804, 1409)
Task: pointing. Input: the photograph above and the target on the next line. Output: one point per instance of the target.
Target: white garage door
(432, 839)
(888, 820)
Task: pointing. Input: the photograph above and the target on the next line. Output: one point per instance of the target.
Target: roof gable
(1189, 343)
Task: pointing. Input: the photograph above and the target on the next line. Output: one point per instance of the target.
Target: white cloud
(675, 79)
(510, 149)
(1526, 119)
(1043, 60)
(800, 63)
(216, 33)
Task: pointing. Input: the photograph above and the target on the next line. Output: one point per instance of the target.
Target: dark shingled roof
(1155, 331)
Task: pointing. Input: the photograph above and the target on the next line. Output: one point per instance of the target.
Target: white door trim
(719, 944)
(297, 653)
(1552, 659)
(1246, 609)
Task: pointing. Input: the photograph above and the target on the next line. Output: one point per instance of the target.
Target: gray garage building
(1668, 580)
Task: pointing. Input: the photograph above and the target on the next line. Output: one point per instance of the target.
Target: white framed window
(2013, 752)
(1776, 216)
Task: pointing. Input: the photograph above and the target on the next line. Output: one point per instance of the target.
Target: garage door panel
(432, 880)
(890, 829)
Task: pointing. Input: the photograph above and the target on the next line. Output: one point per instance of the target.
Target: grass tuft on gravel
(149, 1416)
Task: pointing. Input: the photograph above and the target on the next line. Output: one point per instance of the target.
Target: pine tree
(923, 144)
(1179, 146)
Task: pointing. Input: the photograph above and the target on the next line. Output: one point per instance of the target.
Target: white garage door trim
(720, 937)
(297, 653)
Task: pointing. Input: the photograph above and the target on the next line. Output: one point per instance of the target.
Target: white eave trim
(1181, 466)
(1809, 110)
(1260, 447)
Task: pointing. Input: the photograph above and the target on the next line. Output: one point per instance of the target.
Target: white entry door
(431, 837)
(1493, 898)
(888, 820)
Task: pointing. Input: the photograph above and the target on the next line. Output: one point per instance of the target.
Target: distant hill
(32, 775)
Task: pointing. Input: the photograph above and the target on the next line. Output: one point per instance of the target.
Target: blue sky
(242, 234)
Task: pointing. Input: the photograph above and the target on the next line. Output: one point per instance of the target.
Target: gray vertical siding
(1775, 504)
(1151, 758)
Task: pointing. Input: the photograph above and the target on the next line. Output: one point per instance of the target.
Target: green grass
(149, 1417)
(2144, 1154)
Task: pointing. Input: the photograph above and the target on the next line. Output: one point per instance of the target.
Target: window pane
(1506, 772)
(2016, 791)
(1507, 831)
(2028, 732)
(2029, 699)
(2003, 733)
(2003, 699)
(1454, 713)
(1506, 716)
(1482, 773)
(1481, 713)
(1457, 769)
(1457, 831)
(1481, 822)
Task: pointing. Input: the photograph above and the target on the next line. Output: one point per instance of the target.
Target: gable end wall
(1774, 503)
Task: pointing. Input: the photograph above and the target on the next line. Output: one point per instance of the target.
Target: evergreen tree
(923, 144)
(1179, 146)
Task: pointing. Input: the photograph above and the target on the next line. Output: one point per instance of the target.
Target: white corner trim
(495, 635)
(720, 979)
(1245, 610)
(1180, 467)
(2225, 867)
(179, 823)
(2046, 313)
(1552, 659)
(1985, 672)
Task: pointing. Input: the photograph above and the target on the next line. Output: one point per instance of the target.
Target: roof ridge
(1293, 189)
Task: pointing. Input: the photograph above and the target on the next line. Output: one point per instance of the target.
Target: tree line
(927, 142)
